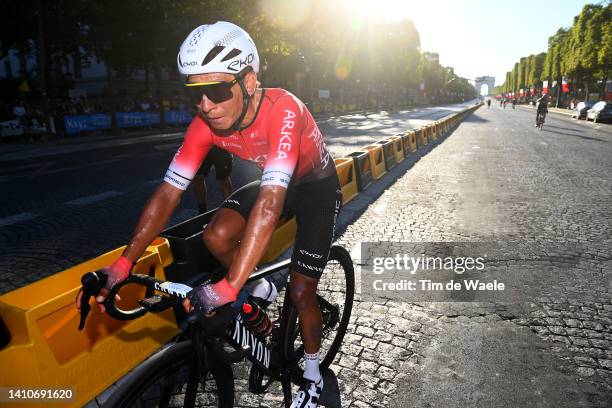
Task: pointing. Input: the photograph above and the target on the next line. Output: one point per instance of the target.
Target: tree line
(334, 48)
(580, 55)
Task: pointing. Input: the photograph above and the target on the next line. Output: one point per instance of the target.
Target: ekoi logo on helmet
(239, 64)
(221, 47)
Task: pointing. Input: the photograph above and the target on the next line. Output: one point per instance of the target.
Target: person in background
(222, 160)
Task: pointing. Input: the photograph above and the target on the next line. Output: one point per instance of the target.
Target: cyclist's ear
(250, 82)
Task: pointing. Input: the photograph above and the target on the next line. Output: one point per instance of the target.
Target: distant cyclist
(488, 103)
(513, 103)
(541, 108)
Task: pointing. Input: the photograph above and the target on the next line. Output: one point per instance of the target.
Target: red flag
(545, 86)
(564, 86)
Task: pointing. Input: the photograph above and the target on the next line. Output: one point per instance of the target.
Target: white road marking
(475, 147)
(93, 198)
(39, 170)
(12, 219)
(544, 143)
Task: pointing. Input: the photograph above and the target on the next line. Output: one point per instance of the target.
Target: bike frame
(268, 358)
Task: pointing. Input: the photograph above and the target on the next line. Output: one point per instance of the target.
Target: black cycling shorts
(221, 159)
(316, 205)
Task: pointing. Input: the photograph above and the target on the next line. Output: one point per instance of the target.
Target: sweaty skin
(164, 201)
(153, 219)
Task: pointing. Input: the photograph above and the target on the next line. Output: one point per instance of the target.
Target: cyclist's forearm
(153, 219)
(257, 235)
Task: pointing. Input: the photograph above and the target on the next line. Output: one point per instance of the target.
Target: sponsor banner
(177, 117)
(85, 123)
(11, 128)
(134, 119)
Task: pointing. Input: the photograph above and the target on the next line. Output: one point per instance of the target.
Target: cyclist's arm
(283, 130)
(164, 201)
(153, 219)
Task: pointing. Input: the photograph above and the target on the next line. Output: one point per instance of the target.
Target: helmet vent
(212, 54)
(195, 38)
(233, 53)
(228, 38)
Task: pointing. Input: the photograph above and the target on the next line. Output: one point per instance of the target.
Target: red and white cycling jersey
(283, 140)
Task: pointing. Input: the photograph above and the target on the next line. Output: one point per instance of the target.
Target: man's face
(219, 115)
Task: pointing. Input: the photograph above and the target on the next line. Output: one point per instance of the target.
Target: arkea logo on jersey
(318, 141)
(286, 132)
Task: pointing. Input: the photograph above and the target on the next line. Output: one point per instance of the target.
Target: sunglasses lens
(218, 93)
(194, 93)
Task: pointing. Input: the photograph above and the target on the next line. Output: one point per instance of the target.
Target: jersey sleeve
(283, 132)
(189, 157)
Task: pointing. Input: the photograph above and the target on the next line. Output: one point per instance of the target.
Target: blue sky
(479, 37)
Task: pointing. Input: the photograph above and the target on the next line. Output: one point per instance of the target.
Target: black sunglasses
(216, 92)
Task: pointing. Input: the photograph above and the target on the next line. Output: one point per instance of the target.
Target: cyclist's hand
(206, 298)
(115, 273)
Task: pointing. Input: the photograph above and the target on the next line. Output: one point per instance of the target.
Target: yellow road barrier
(398, 150)
(348, 179)
(409, 142)
(377, 160)
(363, 168)
(422, 136)
(47, 350)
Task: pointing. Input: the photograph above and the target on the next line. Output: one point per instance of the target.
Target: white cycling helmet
(219, 47)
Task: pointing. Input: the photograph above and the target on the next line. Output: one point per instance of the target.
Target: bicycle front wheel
(336, 292)
(173, 378)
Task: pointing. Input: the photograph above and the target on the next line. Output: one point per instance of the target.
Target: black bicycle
(196, 369)
(540, 118)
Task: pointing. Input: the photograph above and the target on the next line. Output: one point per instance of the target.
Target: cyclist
(541, 107)
(274, 129)
(488, 103)
(222, 161)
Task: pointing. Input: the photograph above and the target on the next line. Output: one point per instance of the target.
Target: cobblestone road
(495, 178)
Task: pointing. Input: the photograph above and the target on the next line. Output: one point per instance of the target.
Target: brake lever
(92, 284)
(85, 308)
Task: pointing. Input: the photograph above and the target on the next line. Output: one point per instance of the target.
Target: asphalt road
(65, 204)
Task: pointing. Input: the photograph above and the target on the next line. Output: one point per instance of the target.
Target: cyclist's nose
(206, 104)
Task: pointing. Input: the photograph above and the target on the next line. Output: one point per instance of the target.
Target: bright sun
(389, 10)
